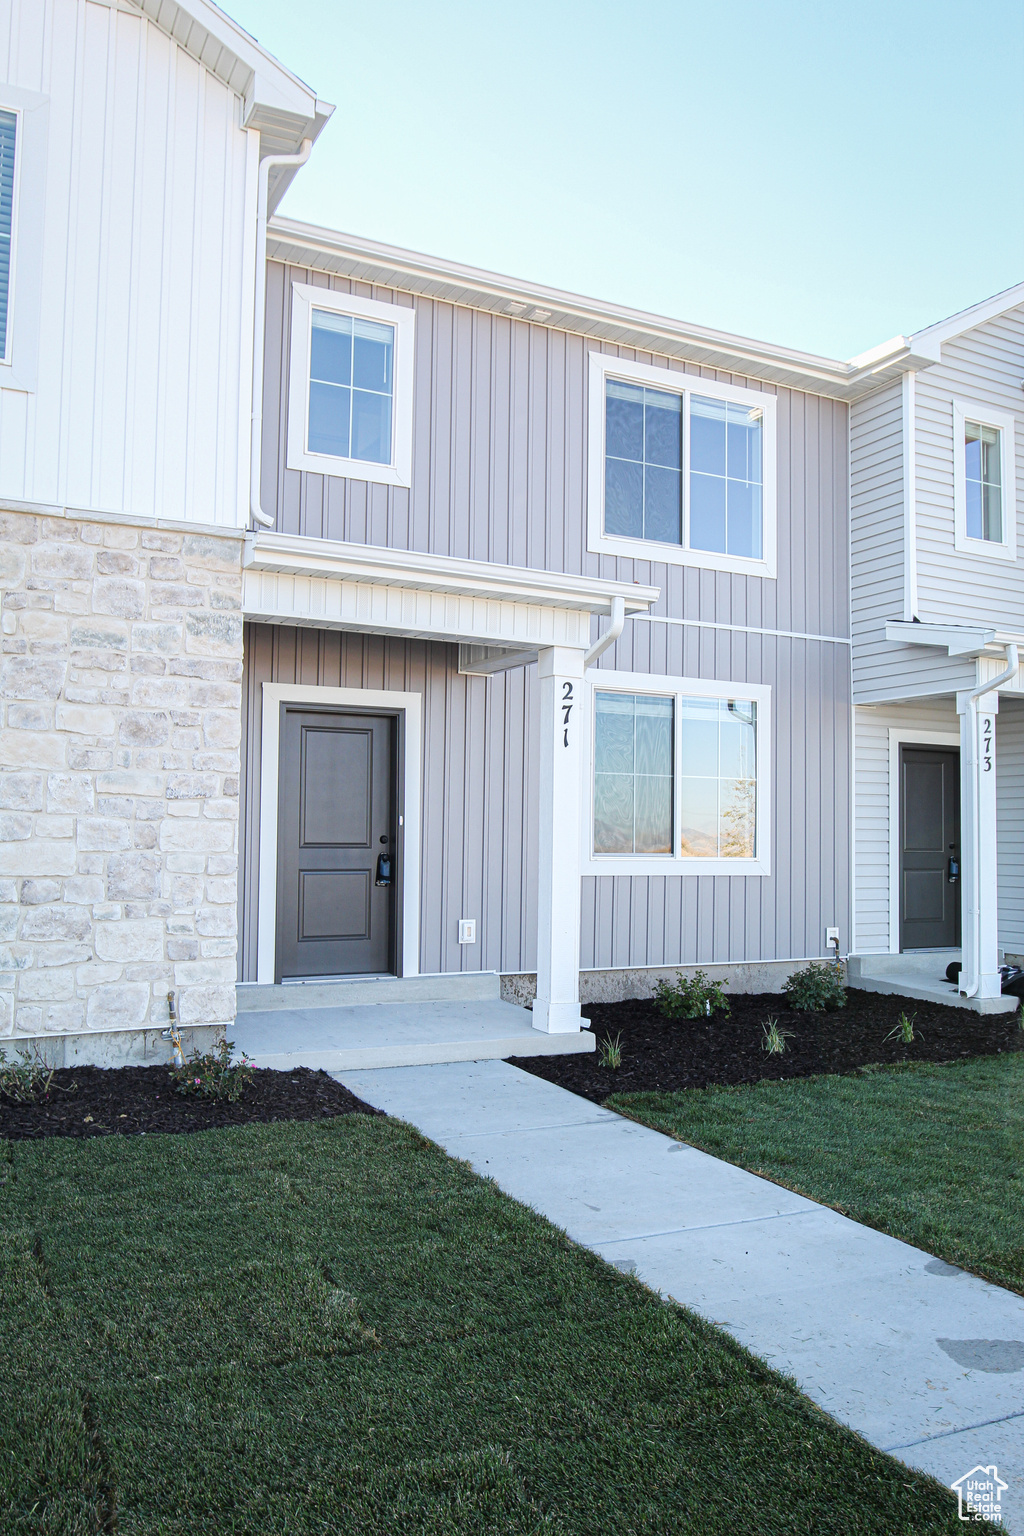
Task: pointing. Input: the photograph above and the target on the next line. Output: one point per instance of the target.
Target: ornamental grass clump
(609, 1052)
(686, 998)
(214, 1075)
(818, 988)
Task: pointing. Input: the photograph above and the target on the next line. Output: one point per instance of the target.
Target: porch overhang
(513, 611)
(966, 640)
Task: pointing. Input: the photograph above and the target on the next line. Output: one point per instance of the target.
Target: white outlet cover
(467, 930)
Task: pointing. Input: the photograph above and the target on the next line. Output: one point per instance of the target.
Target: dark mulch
(128, 1101)
(658, 1054)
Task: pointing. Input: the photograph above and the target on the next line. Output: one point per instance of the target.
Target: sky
(820, 175)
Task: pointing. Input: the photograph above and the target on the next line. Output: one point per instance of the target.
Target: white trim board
(1005, 424)
(409, 708)
(904, 736)
(675, 864)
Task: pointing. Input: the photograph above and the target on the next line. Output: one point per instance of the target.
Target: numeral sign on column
(986, 743)
(566, 711)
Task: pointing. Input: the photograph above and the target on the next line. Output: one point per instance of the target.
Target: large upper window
(680, 780)
(681, 469)
(8, 142)
(350, 396)
(984, 493)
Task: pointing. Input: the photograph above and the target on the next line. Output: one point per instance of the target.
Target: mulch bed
(129, 1101)
(663, 1055)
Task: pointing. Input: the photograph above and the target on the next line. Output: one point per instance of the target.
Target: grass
(930, 1153)
(332, 1328)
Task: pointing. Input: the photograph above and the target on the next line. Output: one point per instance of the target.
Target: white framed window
(681, 469)
(984, 481)
(678, 776)
(350, 386)
(10, 122)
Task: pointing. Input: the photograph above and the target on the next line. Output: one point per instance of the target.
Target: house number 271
(986, 744)
(566, 711)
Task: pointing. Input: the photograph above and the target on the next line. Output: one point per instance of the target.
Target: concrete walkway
(924, 1360)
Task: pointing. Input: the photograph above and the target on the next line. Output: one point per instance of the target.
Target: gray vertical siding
(500, 467)
(479, 791)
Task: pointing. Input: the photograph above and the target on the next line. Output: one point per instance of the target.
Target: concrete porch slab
(920, 975)
(410, 1033)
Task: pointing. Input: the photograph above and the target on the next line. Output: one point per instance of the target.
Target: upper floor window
(680, 776)
(984, 490)
(681, 469)
(350, 393)
(8, 143)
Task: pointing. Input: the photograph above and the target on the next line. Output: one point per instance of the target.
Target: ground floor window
(679, 776)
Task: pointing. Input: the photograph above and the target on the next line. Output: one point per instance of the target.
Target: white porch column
(980, 910)
(560, 673)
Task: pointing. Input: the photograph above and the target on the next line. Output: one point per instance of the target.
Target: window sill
(654, 553)
(347, 469)
(988, 549)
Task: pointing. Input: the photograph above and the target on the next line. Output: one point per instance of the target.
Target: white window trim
(19, 364)
(305, 299)
(905, 736)
(1003, 421)
(679, 688)
(604, 367)
(12, 276)
(409, 708)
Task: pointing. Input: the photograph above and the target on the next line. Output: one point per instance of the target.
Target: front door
(336, 820)
(929, 848)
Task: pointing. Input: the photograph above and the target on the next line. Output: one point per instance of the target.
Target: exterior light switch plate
(467, 930)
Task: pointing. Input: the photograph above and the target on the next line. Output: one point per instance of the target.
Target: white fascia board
(931, 338)
(956, 639)
(372, 564)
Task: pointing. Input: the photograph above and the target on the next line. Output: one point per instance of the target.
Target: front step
(455, 987)
(920, 975)
(410, 1021)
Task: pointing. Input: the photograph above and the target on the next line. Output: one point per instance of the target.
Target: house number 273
(986, 744)
(566, 711)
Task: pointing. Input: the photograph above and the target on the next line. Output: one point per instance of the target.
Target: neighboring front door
(929, 848)
(336, 820)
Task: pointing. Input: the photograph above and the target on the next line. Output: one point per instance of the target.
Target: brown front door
(335, 820)
(929, 848)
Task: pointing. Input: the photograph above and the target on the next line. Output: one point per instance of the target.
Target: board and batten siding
(500, 466)
(139, 404)
(480, 785)
(984, 366)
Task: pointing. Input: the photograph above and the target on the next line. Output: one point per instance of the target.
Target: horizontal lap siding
(140, 401)
(876, 537)
(500, 466)
(675, 919)
(478, 789)
(872, 834)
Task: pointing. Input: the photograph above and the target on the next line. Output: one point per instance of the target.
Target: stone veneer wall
(120, 710)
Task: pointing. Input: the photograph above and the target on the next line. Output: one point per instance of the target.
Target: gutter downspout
(264, 519)
(970, 702)
(610, 635)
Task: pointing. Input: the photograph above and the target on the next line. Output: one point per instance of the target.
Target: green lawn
(933, 1154)
(335, 1328)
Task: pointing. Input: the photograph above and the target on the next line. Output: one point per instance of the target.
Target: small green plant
(609, 1052)
(25, 1081)
(818, 988)
(904, 1028)
(214, 1075)
(773, 1039)
(684, 998)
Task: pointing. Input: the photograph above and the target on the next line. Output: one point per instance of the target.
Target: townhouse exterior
(367, 614)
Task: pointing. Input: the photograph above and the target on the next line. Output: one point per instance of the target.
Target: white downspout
(970, 703)
(610, 635)
(264, 519)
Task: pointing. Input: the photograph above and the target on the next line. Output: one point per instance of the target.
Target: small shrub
(773, 1039)
(25, 1081)
(818, 988)
(214, 1075)
(686, 999)
(904, 1028)
(609, 1052)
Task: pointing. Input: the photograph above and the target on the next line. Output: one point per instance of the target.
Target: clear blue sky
(820, 174)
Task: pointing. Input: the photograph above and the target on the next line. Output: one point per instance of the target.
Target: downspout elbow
(256, 512)
(610, 635)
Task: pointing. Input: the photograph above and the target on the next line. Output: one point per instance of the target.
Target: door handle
(953, 870)
(383, 869)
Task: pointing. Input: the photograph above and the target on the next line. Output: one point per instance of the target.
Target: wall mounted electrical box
(467, 930)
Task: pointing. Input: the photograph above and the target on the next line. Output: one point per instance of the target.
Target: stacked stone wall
(120, 710)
